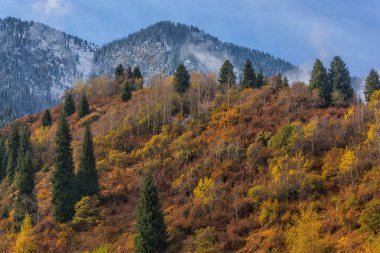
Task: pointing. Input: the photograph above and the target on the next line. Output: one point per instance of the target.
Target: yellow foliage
(347, 160)
(375, 99)
(24, 241)
(349, 113)
(309, 128)
(117, 158)
(372, 132)
(205, 191)
(304, 236)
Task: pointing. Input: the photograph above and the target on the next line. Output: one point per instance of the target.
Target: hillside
(272, 172)
(38, 63)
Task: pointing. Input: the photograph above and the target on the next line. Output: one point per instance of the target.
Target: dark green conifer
(3, 158)
(137, 73)
(127, 92)
(129, 72)
(69, 105)
(12, 151)
(46, 119)
(119, 71)
(319, 80)
(63, 193)
(227, 77)
(87, 176)
(249, 75)
(182, 79)
(26, 201)
(260, 80)
(372, 83)
(151, 230)
(340, 79)
(83, 108)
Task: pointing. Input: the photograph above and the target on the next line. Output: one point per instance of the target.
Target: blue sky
(296, 30)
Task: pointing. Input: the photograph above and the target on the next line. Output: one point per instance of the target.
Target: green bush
(86, 213)
(370, 216)
(313, 186)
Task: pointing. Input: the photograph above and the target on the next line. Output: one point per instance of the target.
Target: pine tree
(249, 76)
(83, 108)
(182, 79)
(372, 83)
(3, 159)
(129, 72)
(26, 202)
(87, 176)
(63, 193)
(69, 105)
(226, 76)
(127, 92)
(46, 119)
(119, 71)
(137, 73)
(24, 241)
(260, 80)
(340, 80)
(151, 230)
(12, 152)
(319, 80)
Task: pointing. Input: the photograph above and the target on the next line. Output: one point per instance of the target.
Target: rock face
(160, 48)
(37, 62)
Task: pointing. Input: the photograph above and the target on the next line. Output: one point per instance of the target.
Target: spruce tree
(340, 80)
(129, 72)
(127, 92)
(26, 201)
(260, 80)
(319, 80)
(87, 176)
(46, 119)
(151, 230)
(249, 75)
(83, 108)
(69, 105)
(63, 193)
(3, 159)
(182, 79)
(12, 151)
(227, 77)
(372, 83)
(137, 73)
(119, 71)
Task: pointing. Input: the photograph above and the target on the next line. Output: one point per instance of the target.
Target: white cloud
(52, 7)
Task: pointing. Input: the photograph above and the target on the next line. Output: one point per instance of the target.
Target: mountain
(38, 63)
(160, 48)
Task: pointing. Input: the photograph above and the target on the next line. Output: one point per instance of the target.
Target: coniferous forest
(197, 162)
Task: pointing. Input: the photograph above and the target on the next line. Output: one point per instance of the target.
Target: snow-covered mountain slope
(38, 63)
(159, 49)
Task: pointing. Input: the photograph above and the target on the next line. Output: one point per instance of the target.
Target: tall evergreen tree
(127, 92)
(63, 193)
(249, 75)
(83, 108)
(46, 119)
(3, 159)
(260, 80)
(69, 105)
(340, 79)
(87, 176)
(137, 73)
(319, 80)
(119, 71)
(227, 77)
(372, 83)
(26, 201)
(151, 230)
(129, 72)
(12, 151)
(24, 141)
(182, 79)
